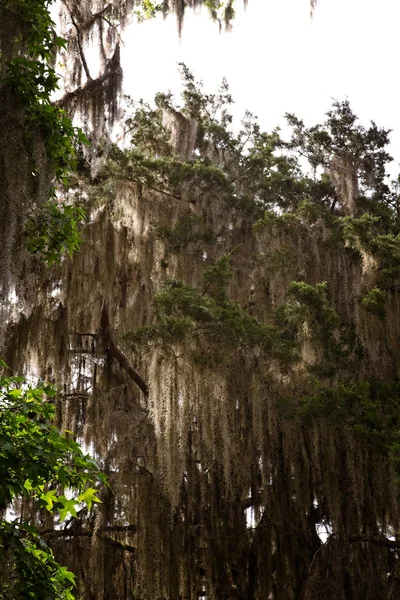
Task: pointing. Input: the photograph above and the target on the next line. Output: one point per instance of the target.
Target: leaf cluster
(375, 302)
(369, 233)
(308, 312)
(30, 77)
(343, 136)
(52, 231)
(37, 463)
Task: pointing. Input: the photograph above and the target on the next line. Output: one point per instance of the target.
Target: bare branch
(80, 45)
(378, 541)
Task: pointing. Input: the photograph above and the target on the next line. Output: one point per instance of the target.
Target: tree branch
(378, 541)
(94, 17)
(74, 532)
(113, 351)
(80, 46)
(77, 532)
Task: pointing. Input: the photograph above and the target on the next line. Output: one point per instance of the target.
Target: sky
(278, 59)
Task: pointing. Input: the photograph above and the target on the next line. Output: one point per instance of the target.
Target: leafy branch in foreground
(48, 140)
(37, 463)
(53, 231)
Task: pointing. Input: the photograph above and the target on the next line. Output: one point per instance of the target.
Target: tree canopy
(225, 343)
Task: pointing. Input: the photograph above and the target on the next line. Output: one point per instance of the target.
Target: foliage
(52, 231)
(306, 315)
(33, 80)
(219, 11)
(28, 74)
(371, 409)
(366, 232)
(310, 302)
(185, 313)
(259, 171)
(146, 129)
(32, 571)
(36, 464)
(190, 228)
(209, 426)
(164, 174)
(342, 136)
(374, 302)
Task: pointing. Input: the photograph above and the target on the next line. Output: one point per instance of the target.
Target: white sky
(277, 59)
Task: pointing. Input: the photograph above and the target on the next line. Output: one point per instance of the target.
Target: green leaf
(48, 499)
(65, 574)
(68, 507)
(89, 496)
(28, 485)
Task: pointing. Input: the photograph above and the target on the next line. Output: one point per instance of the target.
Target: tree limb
(114, 352)
(80, 45)
(94, 17)
(78, 532)
(378, 541)
(74, 532)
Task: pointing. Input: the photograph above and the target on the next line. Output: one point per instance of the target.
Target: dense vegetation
(226, 345)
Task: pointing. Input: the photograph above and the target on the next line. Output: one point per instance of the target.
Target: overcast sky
(277, 59)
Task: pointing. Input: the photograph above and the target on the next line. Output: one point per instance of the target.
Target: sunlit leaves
(41, 465)
(89, 496)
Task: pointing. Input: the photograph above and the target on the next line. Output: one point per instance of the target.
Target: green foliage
(37, 463)
(367, 233)
(310, 302)
(360, 231)
(146, 129)
(370, 409)
(268, 174)
(190, 228)
(308, 312)
(53, 231)
(386, 248)
(148, 10)
(185, 313)
(219, 10)
(32, 571)
(342, 136)
(374, 302)
(255, 172)
(165, 174)
(217, 278)
(248, 169)
(288, 222)
(182, 311)
(32, 81)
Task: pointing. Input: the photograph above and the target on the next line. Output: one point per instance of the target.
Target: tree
(38, 151)
(226, 340)
(226, 343)
(37, 135)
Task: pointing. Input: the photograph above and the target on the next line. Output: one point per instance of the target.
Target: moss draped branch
(114, 352)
